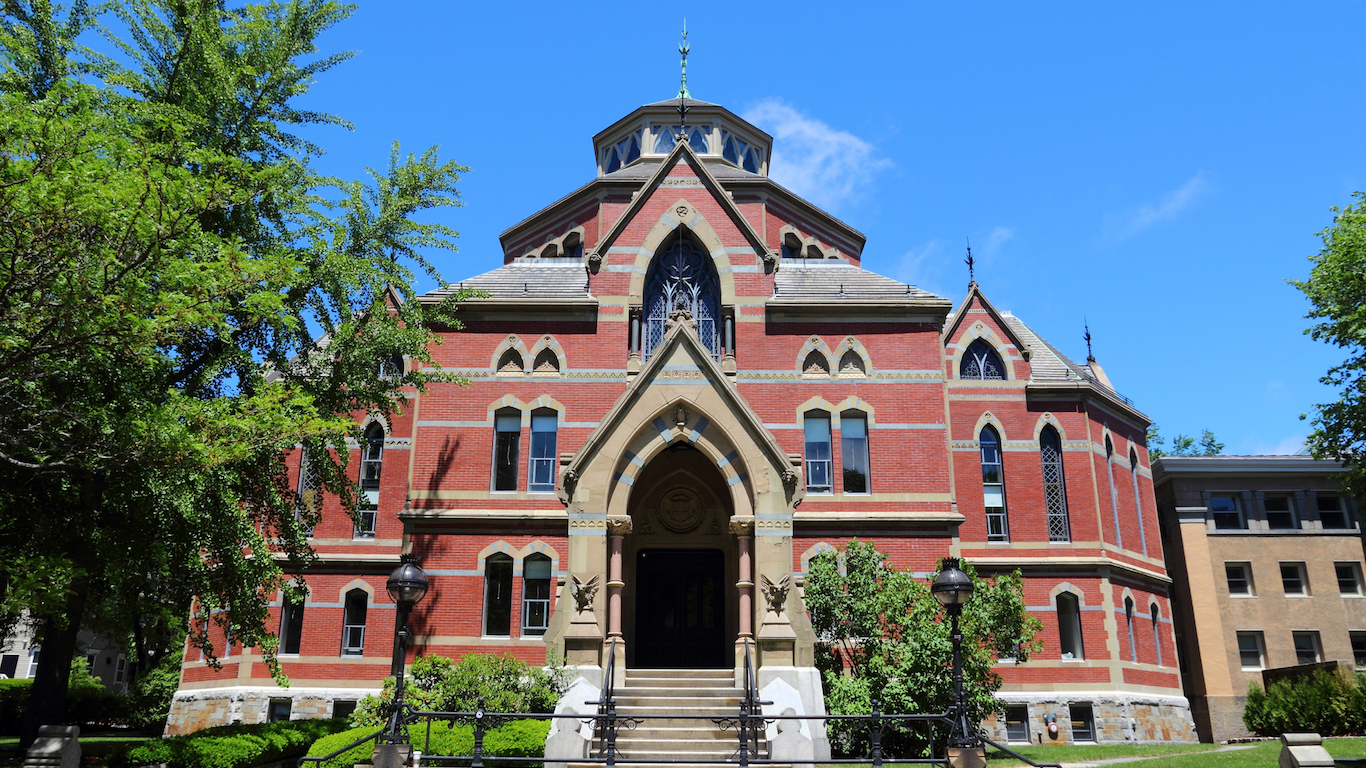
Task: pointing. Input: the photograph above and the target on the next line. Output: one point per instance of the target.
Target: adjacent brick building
(683, 382)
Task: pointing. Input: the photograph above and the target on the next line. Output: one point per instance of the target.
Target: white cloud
(1165, 208)
(998, 237)
(825, 165)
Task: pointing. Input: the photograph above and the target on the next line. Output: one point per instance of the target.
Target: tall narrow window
(371, 464)
(1069, 626)
(1156, 614)
(1129, 621)
(535, 595)
(1138, 499)
(818, 454)
(498, 595)
(291, 626)
(353, 622)
(854, 449)
(981, 362)
(1054, 485)
(309, 507)
(542, 470)
(507, 441)
(1114, 494)
(993, 486)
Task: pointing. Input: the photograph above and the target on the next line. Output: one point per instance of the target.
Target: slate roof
(689, 102)
(530, 279)
(834, 279)
(1048, 364)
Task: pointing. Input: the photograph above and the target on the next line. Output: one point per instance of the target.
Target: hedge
(84, 704)
(519, 738)
(230, 746)
(1328, 703)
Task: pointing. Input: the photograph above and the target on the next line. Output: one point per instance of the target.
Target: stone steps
(662, 696)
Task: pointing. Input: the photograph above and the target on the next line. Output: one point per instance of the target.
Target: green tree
(1336, 289)
(183, 302)
(884, 636)
(1183, 445)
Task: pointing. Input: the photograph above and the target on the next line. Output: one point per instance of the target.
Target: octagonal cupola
(647, 135)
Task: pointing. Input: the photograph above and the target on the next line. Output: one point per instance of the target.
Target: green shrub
(229, 746)
(329, 744)
(437, 684)
(1326, 703)
(519, 738)
(87, 701)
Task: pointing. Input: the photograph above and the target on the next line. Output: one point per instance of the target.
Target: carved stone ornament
(680, 510)
(789, 477)
(681, 417)
(775, 594)
(582, 593)
(742, 525)
(987, 417)
(512, 339)
(814, 341)
(683, 316)
(681, 211)
(619, 525)
(594, 261)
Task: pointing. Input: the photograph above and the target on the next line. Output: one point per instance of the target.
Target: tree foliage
(883, 635)
(184, 301)
(1183, 445)
(1336, 289)
(500, 683)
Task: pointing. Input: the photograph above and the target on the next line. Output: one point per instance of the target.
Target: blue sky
(1157, 169)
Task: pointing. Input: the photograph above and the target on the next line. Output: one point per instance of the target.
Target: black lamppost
(407, 585)
(952, 588)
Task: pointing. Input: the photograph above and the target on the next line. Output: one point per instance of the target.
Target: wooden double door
(680, 609)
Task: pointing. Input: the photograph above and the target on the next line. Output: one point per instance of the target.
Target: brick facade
(891, 354)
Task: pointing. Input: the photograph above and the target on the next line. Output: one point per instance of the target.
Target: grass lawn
(1075, 753)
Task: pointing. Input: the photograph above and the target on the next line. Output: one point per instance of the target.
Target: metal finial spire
(1090, 358)
(972, 280)
(683, 49)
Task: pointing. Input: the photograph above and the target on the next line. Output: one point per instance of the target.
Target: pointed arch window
(1069, 626)
(1138, 499)
(681, 276)
(1156, 614)
(541, 477)
(816, 425)
(1054, 485)
(353, 622)
(1114, 493)
(994, 485)
(1129, 621)
(981, 362)
(666, 136)
(309, 507)
(498, 595)
(371, 465)
(740, 152)
(535, 595)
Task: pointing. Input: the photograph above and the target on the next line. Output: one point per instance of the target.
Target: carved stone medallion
(680, 510)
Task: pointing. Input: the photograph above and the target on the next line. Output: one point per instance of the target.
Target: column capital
(619, 525)
(742, 525)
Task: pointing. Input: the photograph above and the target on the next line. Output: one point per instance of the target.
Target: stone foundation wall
(196, 710)
(1117, 717)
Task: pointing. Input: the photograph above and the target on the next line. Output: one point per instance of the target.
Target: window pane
(535, 596)
(498, 596)
(1307, 648)
(291, 626)
(1359, 649)
(698, 141)
(1224, 510)
(353, 627)
(1250, 650)
(1238, 581)
(1331, 513)
(1348, 584)
(1054, 485)
(665, 140)
(1280, 513)
(506, 448)
(1069, 626)
(1083, 728)
(854, 443)
(818, 470)
(1017, 723)
(542, 453)
(1292, 578)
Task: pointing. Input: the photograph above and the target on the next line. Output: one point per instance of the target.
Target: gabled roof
(684, 152)
(680, 335)
(539, 280)
(957, 319)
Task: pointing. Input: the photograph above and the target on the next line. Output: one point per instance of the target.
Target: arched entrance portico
(680, 565)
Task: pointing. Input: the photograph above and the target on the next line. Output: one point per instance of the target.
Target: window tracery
(682, 277)
(981, 362)
(666, 136)
(622, 153)
(1054, 485)
(740, 152)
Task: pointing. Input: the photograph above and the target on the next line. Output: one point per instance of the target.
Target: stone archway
(680, 564)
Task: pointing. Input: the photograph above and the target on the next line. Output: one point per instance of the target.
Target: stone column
(634, 340)
(742, 527)
(617, 528)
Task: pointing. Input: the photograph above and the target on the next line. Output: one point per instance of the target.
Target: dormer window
(624, 152)
(740, 152)
(666, 136)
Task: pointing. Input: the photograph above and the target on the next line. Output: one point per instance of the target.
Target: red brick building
(682, 380)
